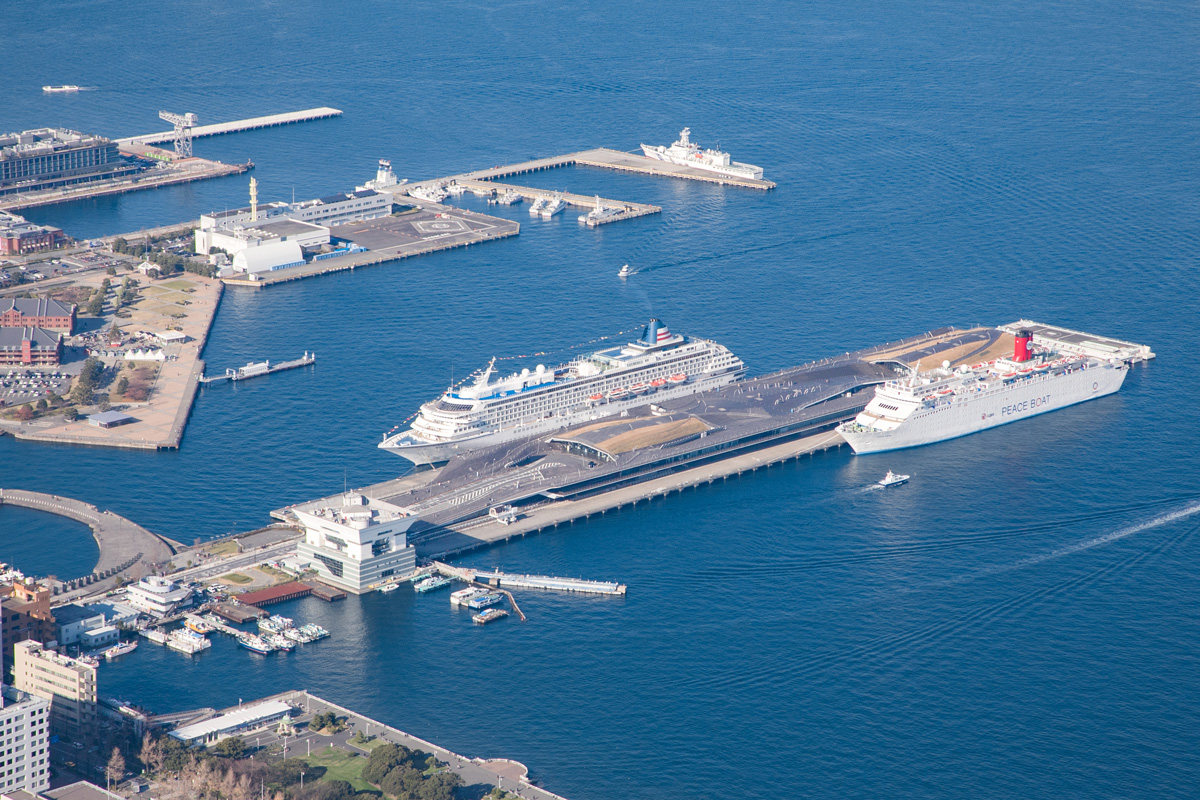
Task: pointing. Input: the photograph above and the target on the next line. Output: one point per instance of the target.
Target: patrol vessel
(687, 153)
(596, 385)
(945, 403)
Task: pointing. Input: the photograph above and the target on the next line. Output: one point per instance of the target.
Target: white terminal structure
(158, 596)
(276, 235)
(358, 543)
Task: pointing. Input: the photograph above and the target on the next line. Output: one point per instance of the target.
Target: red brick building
(30, 346)
(18, 236)
(25, 613)
(37, 312)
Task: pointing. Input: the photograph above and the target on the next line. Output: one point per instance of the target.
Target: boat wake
(897, 648)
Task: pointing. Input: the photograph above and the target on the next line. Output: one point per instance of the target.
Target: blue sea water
(1017, 621)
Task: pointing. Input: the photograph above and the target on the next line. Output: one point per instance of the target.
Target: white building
(241, 719)
(158, 596)
(73, 620)
(236, 238)
(268, 258)
(25, 737)
(343, 208)
(358, 543)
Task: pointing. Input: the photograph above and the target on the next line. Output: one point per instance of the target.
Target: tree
(71, 414)
(122, 385)
(111, 271)
(115, 770)
(151, 754)
(402, 781)
(24, 413)
(230, 747)
(95, 305)
(104, 405)
(42, 405)
(119, 245)
(54, 398)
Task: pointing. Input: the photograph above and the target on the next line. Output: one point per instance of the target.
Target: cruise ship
(486, 413)
(945, 403)
(687, 153)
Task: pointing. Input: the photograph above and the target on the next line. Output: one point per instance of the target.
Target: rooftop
(247, 715)
(71, 613)
(11, 338)
(36, 307)
(80, 791)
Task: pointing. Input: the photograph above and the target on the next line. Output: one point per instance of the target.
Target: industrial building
(358, 543)
(69, 685)
(19, 236)
(37, 312)
(47, 158)
(30, 346)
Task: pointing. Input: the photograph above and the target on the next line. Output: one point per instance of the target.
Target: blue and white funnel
(656, 333)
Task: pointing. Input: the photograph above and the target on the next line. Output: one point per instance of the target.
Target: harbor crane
(183, 131)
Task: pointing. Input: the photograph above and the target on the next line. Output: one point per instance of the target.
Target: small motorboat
(625, 272)
(892, 479)
(389, 587)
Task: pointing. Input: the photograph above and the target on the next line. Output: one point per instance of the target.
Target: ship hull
(748, 172)
(966, 415)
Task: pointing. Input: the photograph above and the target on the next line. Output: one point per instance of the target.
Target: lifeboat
(677, 379)
(618, 394)
(596, 397)
(980, 365)
(657, 382)
(1027, 370)
(1008, 376)
(944, 392)
(639, 388)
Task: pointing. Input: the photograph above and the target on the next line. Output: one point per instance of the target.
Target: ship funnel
(1021, 346)
(655, 333)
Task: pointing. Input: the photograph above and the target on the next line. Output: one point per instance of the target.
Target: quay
(125, 546)
(275, 594)
(648, 452)
(236, 125)
(497, 578)
(185, 171)
(253, 370)
(628, 210)
(603, 158)
(325, 591)
(238, 612)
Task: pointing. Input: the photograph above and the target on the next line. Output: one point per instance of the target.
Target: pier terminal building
(357, 542)
(47, 158)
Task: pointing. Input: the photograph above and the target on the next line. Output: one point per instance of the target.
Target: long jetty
(604, 158)
(628, 209)
(498, 578)
(219, 128)
(239, 375)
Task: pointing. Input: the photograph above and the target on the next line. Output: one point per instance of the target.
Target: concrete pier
(628, 210)
(125, 546)
(237, 125)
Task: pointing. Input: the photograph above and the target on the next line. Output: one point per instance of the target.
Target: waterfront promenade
(511, 776)
(125, 546)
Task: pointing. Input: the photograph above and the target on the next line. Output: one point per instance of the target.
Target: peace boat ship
(942, 404)
(592, 386)
(687, 153)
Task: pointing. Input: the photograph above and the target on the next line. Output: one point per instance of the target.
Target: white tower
(253, 200)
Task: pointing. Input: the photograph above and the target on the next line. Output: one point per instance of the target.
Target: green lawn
(179, 285)
(236, 577)
(341, 766)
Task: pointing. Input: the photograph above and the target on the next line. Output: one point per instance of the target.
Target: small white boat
(625, 272)
(389, 587)
(892, 479)
(509, 198)
(483, 191)
(535, 208)
(70, 87)
(554, 205)
(456, 190)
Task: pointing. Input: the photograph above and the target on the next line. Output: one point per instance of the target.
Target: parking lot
(26, 385)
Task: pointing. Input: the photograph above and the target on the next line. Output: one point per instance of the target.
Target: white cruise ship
(528, 403)
(942, 404)
(687, 153)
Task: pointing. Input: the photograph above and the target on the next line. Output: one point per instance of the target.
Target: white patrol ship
(687, 153)
(946, 403)
(529, 403)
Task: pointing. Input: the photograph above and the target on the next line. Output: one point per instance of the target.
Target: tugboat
(892, 479)
(625, 272)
